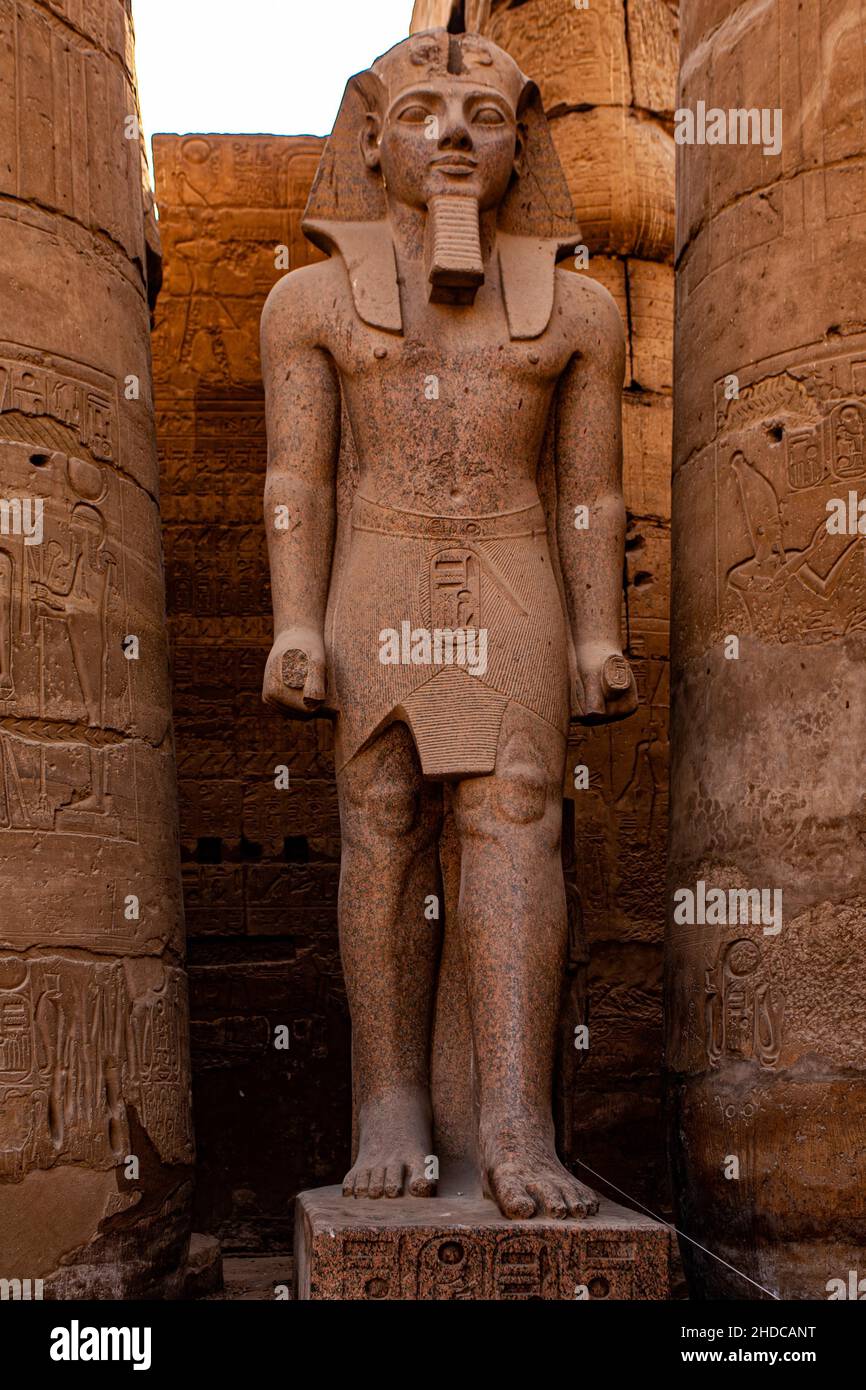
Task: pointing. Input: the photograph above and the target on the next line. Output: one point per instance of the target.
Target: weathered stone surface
(255, 1278)
(94, 1065)
(653, 39)
(203, 1272)
(621, 169)
(651, 306)
(647, 425)
(766, 1042)
(430, 14)
(579, 58)
(459, 1248)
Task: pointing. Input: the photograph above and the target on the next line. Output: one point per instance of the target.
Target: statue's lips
(454, 164)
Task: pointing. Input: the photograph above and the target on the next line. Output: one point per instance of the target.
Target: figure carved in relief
(442, 324)
(75, 591)
(761, 580)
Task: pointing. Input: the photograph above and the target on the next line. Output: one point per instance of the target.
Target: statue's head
(444, 117)
(446, 124)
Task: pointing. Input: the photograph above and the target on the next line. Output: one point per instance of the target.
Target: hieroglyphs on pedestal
(766, 1042)
(607, 76)
(363, 1252)
(258, 810)
(95, 1130)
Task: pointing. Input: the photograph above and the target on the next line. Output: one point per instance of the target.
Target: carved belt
(391, 521)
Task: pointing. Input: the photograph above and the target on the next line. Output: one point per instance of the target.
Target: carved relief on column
(766, 1040)
(95, 1129)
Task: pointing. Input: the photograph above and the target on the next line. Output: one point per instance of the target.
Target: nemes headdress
(347, 210)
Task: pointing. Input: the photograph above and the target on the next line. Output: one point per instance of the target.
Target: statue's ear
(370, 88)
(520, 149)
(369, 136)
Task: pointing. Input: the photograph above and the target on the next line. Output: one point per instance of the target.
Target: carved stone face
(446, 137)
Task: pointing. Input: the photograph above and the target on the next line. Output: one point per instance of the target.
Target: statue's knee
(517, 795)
(522, 794)
(386, 807)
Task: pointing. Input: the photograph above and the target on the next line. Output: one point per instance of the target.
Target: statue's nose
(456, 137)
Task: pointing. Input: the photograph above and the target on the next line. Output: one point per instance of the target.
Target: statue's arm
(589, 475)
(302, 400)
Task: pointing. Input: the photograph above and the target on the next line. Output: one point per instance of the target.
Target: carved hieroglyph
(93, 1033)
(357, 1252)
(766, 1033)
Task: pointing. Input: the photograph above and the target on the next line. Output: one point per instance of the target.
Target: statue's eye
(488, 115)
(416, 115)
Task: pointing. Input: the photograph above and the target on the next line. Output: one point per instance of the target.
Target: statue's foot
(394, 1152)
(525, 1178)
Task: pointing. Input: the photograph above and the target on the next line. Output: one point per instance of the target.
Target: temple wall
(260, 864)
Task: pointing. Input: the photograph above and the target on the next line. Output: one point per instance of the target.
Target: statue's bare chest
(469, 345)
(481, 359)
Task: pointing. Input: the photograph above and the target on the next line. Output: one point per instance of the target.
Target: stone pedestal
(444, 1248)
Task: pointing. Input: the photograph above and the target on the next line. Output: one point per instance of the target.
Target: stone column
(767, 1019)
(95, 1132)
(607, 76)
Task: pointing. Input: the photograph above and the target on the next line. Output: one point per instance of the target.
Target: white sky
(271, 66)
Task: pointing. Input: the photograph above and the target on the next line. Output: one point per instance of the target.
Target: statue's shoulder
(588, 301)
(591, 312)
(295, 308)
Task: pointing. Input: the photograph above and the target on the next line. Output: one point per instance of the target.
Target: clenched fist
(296, 676)
(605, 687)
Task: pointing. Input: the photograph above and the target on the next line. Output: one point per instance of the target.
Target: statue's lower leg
(513, 926)
(390, 951)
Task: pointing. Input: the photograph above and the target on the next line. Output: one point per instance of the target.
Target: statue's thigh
(521, 801)
(382, 794)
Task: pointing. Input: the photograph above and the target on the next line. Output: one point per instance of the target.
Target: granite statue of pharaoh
(452, 609)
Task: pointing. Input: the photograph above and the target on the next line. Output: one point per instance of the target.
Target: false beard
(452, 249)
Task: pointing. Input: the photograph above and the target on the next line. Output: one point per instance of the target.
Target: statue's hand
(296, 676)
(605, 687)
